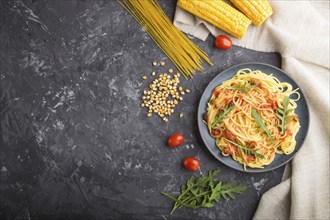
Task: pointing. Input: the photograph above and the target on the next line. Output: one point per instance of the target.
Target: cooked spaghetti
(252, 117)
(182, 52)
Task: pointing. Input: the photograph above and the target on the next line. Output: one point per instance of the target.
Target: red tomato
(216, 93)
(287, 133)
(295, 118)
(255, 81)
(229, 135)
(274, 105)
(215, 132)
(206, 117)
(227, 150)
(191, 163)
(252, 144)
(175, 140)
(227, 102)
(250, 158)
(265, 105)
(223, 42)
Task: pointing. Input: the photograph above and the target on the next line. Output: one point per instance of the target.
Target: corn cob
(257, 10)
(219, 14)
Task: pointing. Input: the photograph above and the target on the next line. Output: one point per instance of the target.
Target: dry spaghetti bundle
(186, 56)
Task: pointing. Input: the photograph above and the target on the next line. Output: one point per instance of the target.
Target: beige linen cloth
(299, 31)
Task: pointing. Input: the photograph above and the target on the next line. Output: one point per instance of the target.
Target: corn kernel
(181, 115)
(154, 63)
(170, 70)
(144, 77)
(153, 73)
(162, 63)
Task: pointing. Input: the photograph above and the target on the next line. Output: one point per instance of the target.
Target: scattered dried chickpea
(163, 94)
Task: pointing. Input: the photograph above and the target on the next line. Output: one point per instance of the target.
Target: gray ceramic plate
(302, 111)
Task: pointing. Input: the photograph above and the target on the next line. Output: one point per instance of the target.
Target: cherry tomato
(206, 117)
(227, 150)
(175, 140)
(191, 163)
(250, 158)
(265, 105)
(215, 132)
(295, 118)
(229, 135)
(223, 42)
(255, 81)
(227, 102)
(287, 133)
(216, 93)
(274, 105)
(252, 144)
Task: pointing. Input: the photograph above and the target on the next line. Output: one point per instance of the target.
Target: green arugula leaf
(283, 114)
(203, 191)
(261, 123)
(246, 87)
(222, 115)
(228, 189)
(247, 150)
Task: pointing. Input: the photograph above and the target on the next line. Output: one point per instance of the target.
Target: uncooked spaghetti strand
(185, 55)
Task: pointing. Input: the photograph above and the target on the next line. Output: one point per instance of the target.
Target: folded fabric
(299, 31)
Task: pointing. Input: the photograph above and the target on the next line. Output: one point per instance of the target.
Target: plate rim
(249, 169)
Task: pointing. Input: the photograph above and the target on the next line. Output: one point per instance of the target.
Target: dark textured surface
(75, 142)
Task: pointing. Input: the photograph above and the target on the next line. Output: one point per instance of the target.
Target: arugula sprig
(282, 114)
(222, 115)
(246, 87)
(262, 124)
(247, 150)
(203, 191)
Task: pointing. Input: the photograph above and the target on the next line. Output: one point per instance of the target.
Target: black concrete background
(75, 143)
